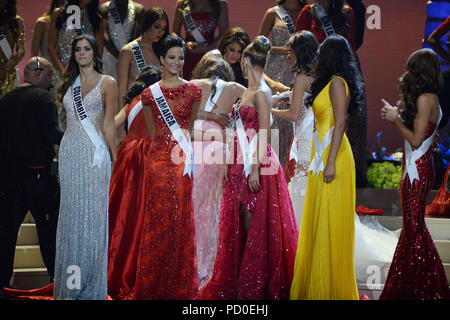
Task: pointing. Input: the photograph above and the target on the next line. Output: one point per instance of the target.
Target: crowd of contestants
(173, 185)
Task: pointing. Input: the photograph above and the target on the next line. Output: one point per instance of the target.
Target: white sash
(4, 44)
(133, 113)
(411, 156)
(101, 152)
(138, 55)
(306, 123)
(192, 28)
(248, 149)
(316, 165)
(117, 24)
(284, 16)
(326, 23)
(210, 103)
(183, 141)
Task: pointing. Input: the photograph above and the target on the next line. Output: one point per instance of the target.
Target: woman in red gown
(129, 188)
(208, 15)
(166, 267)
(257, 230)
(416, 272)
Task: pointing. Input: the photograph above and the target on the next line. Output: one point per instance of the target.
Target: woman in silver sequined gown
(279, 69)
(82, 234)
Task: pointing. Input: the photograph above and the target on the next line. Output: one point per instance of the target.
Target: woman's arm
(110, 94)
(424, 108)
(178, 19)
(340, 101)
(38, 34)
(53, 39)
(20, 47)
(301, 84)
(223, 25)
(123, 67)
(275, 86)
(433, 40)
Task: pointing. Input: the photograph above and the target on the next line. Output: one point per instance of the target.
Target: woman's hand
(253, 180)
(389, 112)
(222, 119)
(225, 173)
(328, 173)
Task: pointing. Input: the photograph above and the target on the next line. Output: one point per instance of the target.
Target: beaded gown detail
(416, 272)
(257, 265)
(127, 205)
(206, 24)
(166, 262)
(279, 69)
(82, 234)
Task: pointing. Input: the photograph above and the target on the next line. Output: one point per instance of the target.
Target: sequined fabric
(166, 267)
(82, 234)
(258, 265)
(16, 40)
(298, 171)
(440, 207)
(416, 272)
(206, 24)
(280, 69)
(209, 161)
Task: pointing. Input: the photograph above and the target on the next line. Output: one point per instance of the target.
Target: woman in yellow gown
(324, 268)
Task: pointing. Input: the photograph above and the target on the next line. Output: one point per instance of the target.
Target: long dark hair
(8, 16)
(149, 75)
(238, 35)
(150, 17)
(335, 58)
(93, 13)
(53, 5)
(72, 69)
(304, 45)
(215, 6)
(422, 75)
(337, 13)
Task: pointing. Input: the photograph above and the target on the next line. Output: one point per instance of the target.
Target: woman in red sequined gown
(128, 189)
(416, 272)
(257, 230)
(208, 15)
(166, 267)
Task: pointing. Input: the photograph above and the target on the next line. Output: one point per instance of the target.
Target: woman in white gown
(374, 244)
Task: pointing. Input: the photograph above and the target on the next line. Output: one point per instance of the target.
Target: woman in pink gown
(214, 76)
(257, 230)
(416, 272)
